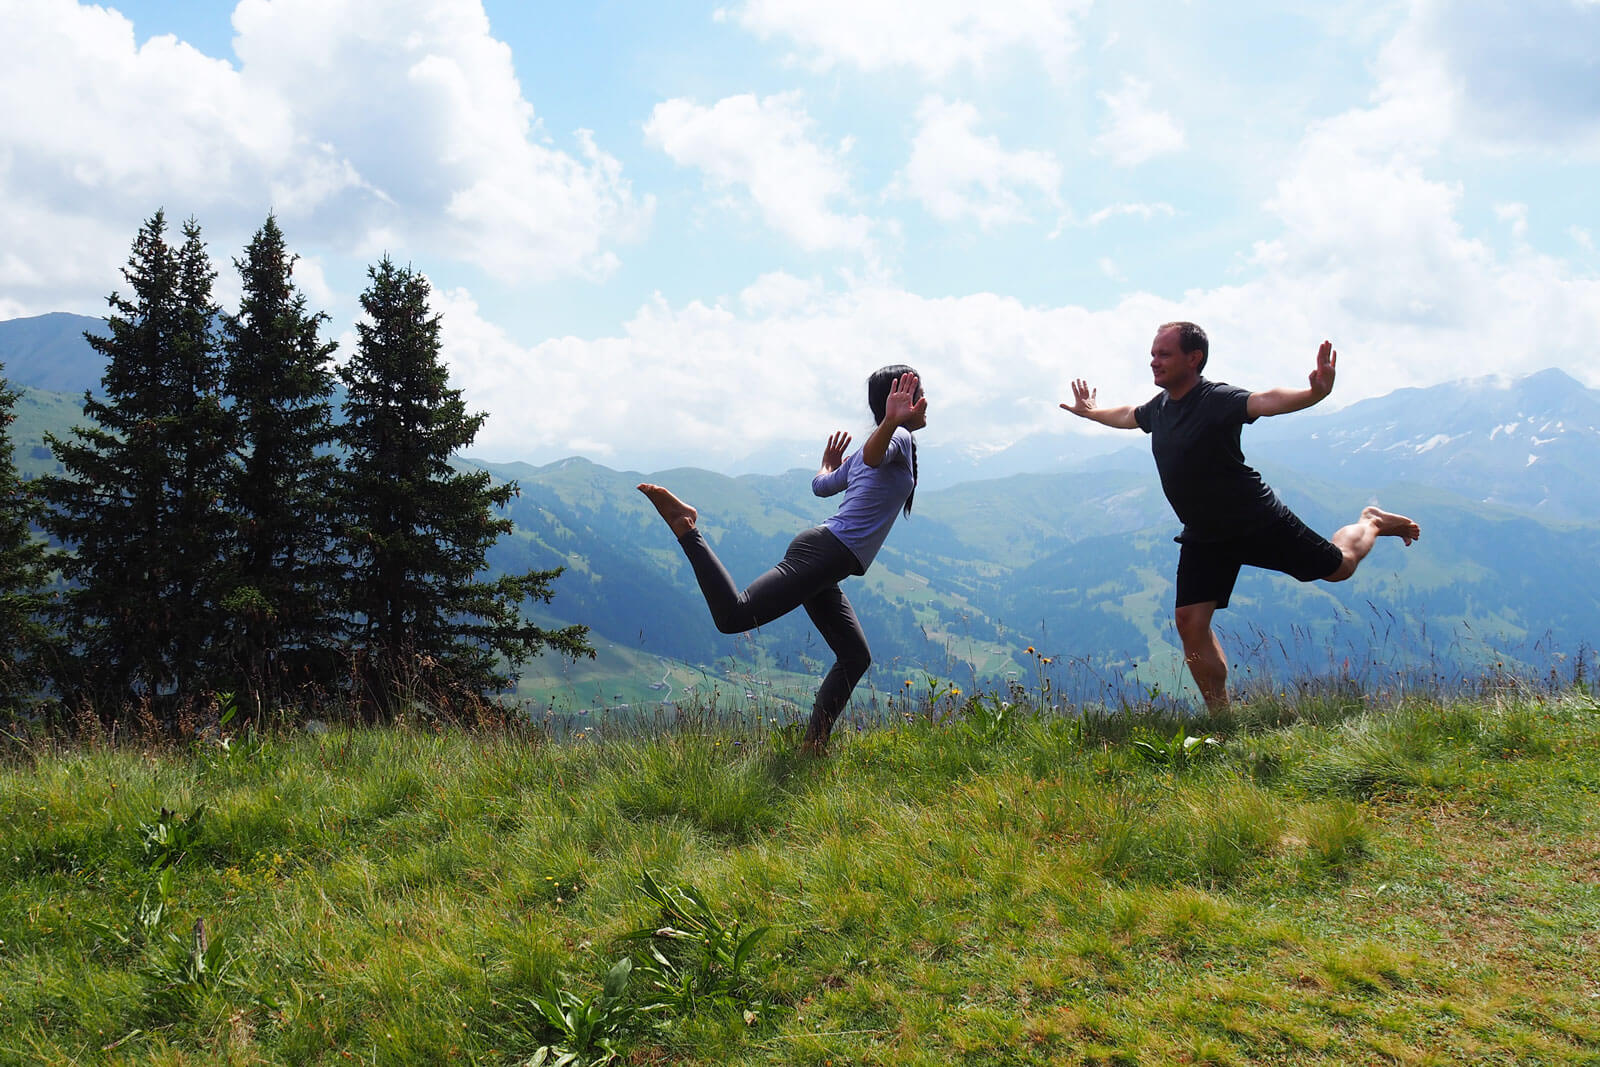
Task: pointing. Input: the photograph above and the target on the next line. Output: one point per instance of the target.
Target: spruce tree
(137, 509)
(25, 638)
(417, 530)
(281, 576)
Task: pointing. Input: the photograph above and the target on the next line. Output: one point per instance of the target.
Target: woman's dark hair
(879, 382)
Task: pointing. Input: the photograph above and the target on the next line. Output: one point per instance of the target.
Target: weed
(590, 1026)
(695, 959)
(1180, 751)
(938, 698)
(192, 967)
(170, 837)
(154, 900)
(987, 720)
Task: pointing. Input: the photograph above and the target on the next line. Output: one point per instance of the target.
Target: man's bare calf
(1357, 539)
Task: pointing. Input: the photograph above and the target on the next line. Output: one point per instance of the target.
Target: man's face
(1170, 366)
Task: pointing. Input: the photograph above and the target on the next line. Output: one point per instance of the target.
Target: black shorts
(1208, 570)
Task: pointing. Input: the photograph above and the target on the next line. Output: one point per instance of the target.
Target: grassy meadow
(1324, 877)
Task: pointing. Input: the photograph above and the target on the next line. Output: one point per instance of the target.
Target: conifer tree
(25, 637)
(416, 529)
(137, 509)
(282, 574)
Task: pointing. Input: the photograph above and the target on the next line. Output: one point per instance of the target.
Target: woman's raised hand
(903, 404)
(833, 454)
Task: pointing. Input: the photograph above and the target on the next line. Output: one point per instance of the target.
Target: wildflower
(1045, 659)
(1030, 650)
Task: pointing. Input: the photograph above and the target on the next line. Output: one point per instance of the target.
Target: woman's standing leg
(836, 620)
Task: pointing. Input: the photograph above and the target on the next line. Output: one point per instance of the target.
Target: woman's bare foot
(1390, 525)
(680, 516)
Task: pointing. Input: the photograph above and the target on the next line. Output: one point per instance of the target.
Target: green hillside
(36, 413)
(1077, 564)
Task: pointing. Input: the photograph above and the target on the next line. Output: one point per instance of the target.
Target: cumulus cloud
(425, 104)
(100, 132)
(764, 149)
(933, 37)
(1372, 241)
(1516, 215)
(958, 174)
(373, 124)
(786, 362)
(1133, 131)
(1523, 72)
(1367, 248)
(1145, 212)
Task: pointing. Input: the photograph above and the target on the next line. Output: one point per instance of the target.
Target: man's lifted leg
(1357, 539)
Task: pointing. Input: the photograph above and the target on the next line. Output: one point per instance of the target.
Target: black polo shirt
(1195, 442)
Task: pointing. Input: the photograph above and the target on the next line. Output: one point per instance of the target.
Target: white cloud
(1134, 132)
(765, 148)
(934, 37)
(372, 124)
(99, 133)
(1361, 216)
(1142, 211)
(425, 104)
(312, 280)
(1522, 73)
(958, 174)
(1369, 250)
(1516, 215)
(1372, 244)
(787, 362)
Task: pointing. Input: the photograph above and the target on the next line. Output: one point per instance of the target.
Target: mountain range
(1073, 560)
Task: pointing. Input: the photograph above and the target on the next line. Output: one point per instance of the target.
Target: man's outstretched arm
(1283, 401)
(1083, 406)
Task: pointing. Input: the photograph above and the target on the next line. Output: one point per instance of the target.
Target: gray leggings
(808, 576)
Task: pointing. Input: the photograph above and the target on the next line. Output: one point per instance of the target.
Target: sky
(682, 234)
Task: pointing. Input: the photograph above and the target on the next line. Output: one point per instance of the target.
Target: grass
(1341, 880)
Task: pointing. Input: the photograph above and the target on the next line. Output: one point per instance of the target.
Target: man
(1230, 516)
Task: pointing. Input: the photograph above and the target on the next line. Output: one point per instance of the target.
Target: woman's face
(918, 421)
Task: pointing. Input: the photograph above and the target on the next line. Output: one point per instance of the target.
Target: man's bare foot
(1389, 524)
(680, 516)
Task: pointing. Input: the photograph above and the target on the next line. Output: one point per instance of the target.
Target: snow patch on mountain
(1434, 442)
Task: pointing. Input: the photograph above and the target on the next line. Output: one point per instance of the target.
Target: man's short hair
(1191, 338)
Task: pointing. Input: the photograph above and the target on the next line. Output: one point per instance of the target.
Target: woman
(878, 483)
